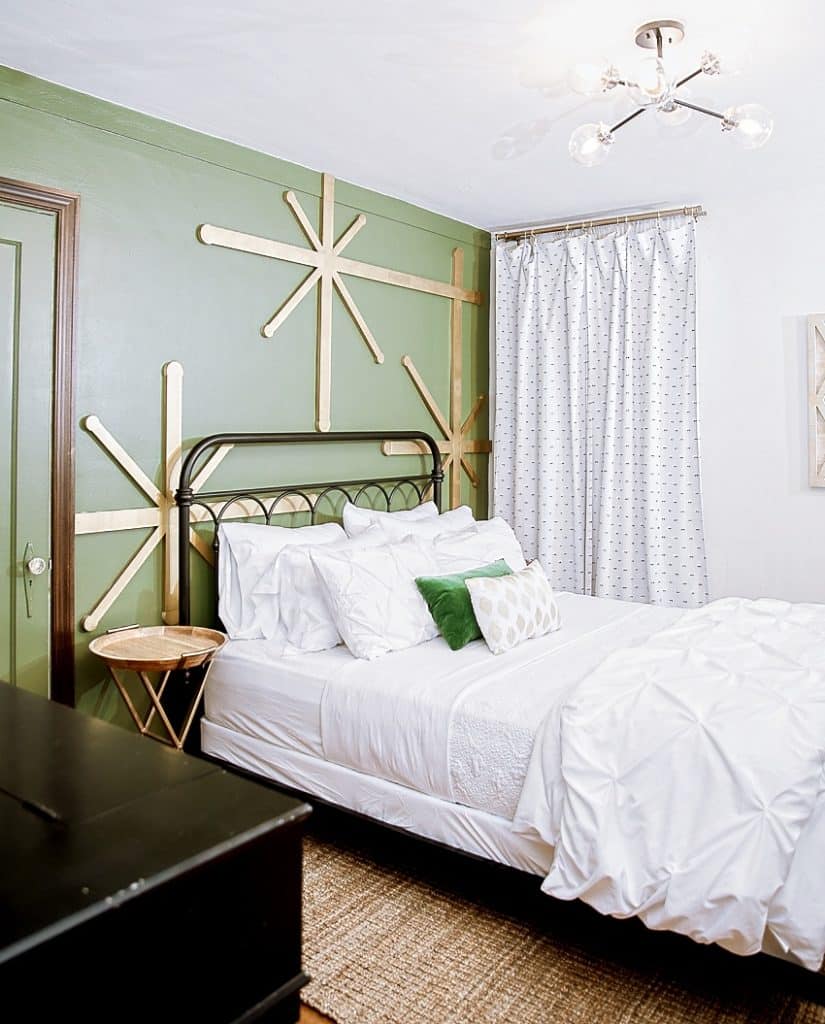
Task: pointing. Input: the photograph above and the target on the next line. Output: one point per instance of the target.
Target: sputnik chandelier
(654, 87)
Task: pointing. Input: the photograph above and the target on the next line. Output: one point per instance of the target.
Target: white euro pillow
(304, 622)
(246, 550)
(373, 598)
(357, 519)
(430, 528)
(512, 609)
(484, 542)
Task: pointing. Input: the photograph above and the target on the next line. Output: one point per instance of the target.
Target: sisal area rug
(396, 932)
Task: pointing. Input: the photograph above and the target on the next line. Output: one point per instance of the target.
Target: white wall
(761, 271)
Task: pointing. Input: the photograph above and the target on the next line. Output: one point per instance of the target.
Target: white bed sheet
(254, 691)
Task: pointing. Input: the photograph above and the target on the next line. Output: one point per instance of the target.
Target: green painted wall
(149, 292)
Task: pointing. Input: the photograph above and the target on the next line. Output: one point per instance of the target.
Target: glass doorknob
(36, 566)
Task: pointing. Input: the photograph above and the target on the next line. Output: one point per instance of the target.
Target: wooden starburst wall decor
(456, 444)
(161, 515)
(328, 265)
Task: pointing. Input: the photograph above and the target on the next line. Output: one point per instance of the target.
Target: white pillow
(246, 549)
(357, 519)
(428, 529)
(512, 609)
(304, 621)
(373, 597)
(485, 542)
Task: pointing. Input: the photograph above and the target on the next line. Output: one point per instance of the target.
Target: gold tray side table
(164, 649)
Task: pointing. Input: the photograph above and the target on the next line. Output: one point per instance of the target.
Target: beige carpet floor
(397, 932)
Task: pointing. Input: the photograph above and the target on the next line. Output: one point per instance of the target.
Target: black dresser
(139, 883)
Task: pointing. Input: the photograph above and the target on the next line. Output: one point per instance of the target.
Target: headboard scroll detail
(267, 501)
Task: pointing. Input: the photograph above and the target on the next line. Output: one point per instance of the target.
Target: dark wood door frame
(65, 206)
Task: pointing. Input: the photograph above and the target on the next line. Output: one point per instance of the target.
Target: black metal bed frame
(266, 498)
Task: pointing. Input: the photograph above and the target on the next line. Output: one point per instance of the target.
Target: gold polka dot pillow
(512, 609)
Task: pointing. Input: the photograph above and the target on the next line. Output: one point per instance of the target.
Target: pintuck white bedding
(683, 781)
(676, 761)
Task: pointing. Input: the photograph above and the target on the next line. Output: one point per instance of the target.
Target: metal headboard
(310, 493)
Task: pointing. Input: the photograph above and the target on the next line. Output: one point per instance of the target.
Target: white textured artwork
(816, 399)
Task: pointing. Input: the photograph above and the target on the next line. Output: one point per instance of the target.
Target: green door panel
(27, 268)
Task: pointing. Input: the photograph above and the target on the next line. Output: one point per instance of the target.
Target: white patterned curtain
(596, 456)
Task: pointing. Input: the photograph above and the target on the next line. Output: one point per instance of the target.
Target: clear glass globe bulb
(750, 124)
(650, 82)
(587, 77)
(590, 144)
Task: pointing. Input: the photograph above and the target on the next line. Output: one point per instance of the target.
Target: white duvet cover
(683, 780)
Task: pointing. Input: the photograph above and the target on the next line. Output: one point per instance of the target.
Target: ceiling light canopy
(652, 86)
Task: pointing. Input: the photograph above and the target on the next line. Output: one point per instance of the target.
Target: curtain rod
(597, 222)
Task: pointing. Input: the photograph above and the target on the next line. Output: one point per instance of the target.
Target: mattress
(269, 697)
(469, 717)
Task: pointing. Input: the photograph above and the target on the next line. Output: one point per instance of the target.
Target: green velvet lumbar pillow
(449, 602)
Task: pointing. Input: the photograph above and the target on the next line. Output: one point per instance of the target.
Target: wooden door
(28, 239)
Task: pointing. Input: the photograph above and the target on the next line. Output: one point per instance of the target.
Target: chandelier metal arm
(689, 78)
(629, 117)
(701, 110)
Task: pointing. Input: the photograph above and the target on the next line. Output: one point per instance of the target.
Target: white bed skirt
(463, 828)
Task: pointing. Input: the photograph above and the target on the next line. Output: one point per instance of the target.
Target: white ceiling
(459, 106)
